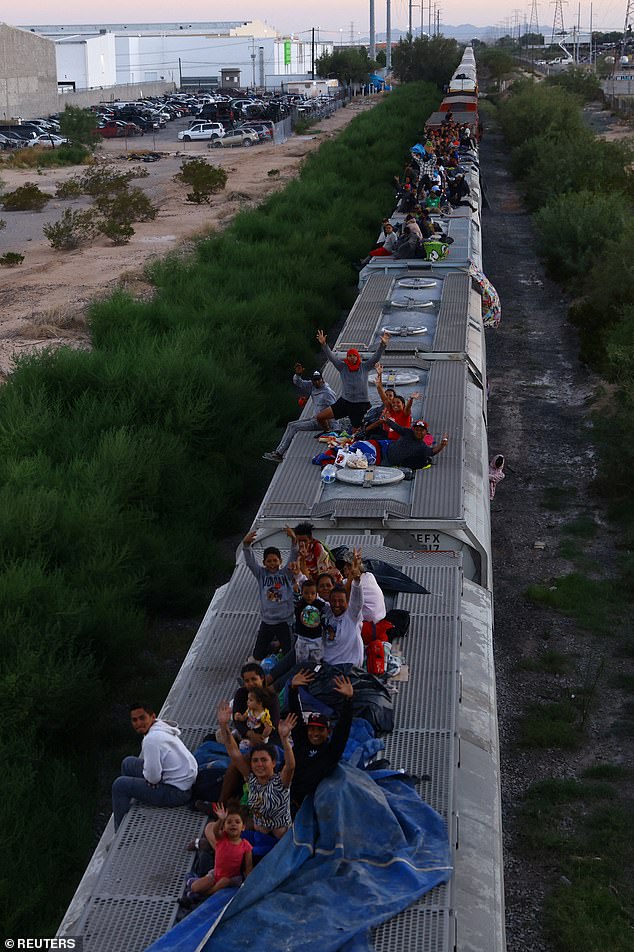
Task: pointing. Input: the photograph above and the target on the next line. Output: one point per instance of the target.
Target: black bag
(400, 619)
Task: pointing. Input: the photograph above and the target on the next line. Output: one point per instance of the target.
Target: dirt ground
(540, 405)
(45, 299)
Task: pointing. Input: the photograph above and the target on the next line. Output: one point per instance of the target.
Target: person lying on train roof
(411, 451)
(317, 749)
(354, 372)
(163, 775)
(315, 389)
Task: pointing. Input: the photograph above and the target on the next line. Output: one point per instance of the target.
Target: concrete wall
(28, 74)
(92, 97)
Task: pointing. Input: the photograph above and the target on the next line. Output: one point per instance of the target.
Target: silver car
(235, 137)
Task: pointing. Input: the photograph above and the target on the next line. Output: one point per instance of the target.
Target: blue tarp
(363, 850)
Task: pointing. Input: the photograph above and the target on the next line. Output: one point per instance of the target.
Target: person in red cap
(317, 751)
(354, 400)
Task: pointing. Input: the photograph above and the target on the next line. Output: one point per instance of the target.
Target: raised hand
(302, 678)
(285, 726)
(321, 337)
(290, 532)
(249, 538)
(224, 713)
(343, 685)
(355, 569)
(385, 337)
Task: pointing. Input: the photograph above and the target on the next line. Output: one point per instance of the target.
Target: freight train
(435, 528)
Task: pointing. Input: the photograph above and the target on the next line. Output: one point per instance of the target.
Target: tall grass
(120, 468)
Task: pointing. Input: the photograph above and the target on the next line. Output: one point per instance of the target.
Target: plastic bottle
(329, 473)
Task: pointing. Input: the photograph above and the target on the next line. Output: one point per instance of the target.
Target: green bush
(72, 230)
(26, 198)
(553, 164)
(204, 179)
(10, 259)
(536, 110)
(575, 227)
(131, 204)
(71, 188)
(580, 82)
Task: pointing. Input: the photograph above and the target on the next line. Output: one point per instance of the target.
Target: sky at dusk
(333, 17)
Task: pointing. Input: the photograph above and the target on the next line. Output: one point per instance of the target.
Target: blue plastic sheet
(365, 849)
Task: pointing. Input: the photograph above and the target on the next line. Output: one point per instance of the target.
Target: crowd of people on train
(385, 434)
(315, 609)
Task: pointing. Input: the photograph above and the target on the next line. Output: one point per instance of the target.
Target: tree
(496, 62)
(348, 64)
(433, 60)
(78, 126)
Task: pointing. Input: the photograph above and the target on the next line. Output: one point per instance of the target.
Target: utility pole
(533, 28)
(312, 55)
(388, 36)
(558, 20)
(409, 22)
(429, 21)
(591, 63)
(373, 32)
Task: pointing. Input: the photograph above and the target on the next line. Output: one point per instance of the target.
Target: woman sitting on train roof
(269, 794)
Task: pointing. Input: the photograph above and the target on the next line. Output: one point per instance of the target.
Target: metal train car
(436, 529)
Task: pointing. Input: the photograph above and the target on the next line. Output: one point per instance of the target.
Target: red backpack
(374, 637)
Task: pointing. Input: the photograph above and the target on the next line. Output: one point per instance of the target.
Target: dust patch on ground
(53, 282)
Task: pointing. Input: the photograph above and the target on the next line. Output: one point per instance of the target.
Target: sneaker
(273, 457)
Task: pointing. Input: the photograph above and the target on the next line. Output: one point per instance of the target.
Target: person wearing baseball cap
(322, 396)
(317, 750)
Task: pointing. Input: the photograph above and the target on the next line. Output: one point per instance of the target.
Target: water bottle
(329, 473)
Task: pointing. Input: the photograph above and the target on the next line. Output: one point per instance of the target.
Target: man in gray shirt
(354, 400)
(322, 396)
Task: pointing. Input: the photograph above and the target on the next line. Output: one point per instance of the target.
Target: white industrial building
(236, 53)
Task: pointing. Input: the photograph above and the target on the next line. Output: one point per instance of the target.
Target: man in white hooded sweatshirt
(164, 773)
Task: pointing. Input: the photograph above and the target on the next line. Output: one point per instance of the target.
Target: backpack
(375, 638)
(399, 618)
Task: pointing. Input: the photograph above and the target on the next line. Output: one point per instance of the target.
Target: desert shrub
(71, 188)
(10, 259)
(72, 230)
(575, 227)
(119, 232)
(26, 198)
(104, 180)
(3, 224)
(71, 153)
(203, 179)
(78, 126)
(126, 206)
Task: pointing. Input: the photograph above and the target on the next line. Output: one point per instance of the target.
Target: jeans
(267, 633)
(297, 426)
(131, 785)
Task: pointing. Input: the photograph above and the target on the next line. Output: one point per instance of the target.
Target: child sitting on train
(233, 860)
(257, 718)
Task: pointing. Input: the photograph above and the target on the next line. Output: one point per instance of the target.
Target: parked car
(264, 130)
(117, 129)
(202, 130)
(48, 140)
(235, 137)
